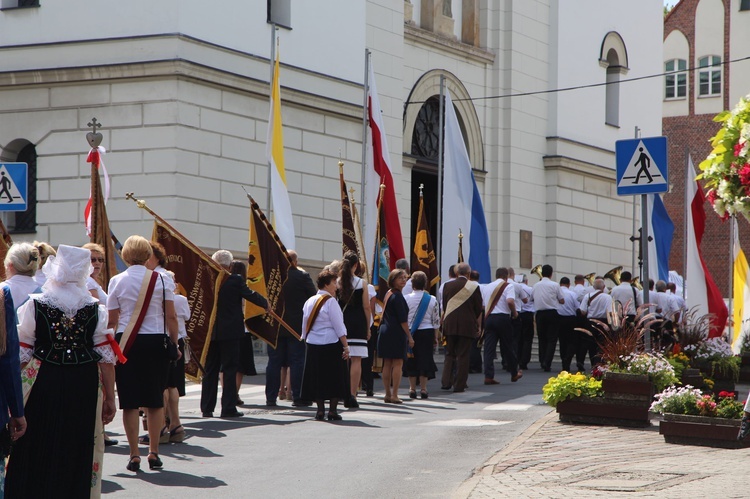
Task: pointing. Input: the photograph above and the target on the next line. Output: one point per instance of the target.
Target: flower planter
(626, 400)
(604, 411)
(692, 377)
(624, 386)
(703, 431)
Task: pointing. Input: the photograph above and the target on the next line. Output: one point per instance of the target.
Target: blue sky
(669, 3)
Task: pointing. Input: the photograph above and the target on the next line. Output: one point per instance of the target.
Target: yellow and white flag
(282, 209)
(741, 295)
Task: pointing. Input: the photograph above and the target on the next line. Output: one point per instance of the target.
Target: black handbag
(170, 349)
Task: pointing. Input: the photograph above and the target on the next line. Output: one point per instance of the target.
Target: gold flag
(423, 254)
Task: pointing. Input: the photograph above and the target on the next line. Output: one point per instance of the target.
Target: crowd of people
(73, 342)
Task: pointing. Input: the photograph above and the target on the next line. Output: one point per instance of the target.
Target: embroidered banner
(201, 277)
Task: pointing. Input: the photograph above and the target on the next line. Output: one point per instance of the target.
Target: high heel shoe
(333, 416)
(154, 463)
(134, 465)
(320, 416)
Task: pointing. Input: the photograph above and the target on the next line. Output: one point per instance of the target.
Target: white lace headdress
(66, 275)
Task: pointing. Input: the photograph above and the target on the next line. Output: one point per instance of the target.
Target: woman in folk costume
(68, 384)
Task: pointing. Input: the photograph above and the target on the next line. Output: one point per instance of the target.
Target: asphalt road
(422, 448)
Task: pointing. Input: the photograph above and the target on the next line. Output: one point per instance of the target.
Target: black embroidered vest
(64, 341)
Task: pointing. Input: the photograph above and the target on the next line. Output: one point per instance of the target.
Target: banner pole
(440, 175)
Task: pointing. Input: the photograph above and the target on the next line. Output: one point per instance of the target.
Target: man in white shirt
(403, 264)
(579, 288)
(627, 295)
(679, 300)
(500, 307)
(594, 306)
(451, 277)
(569, 339)
(526, 339)
(547, 296)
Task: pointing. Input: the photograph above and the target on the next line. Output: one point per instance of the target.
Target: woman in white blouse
(422, 364)
(21, 263)
(327, 350)
(142, 379)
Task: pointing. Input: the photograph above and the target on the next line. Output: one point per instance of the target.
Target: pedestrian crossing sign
(14, 186)
(641, 166)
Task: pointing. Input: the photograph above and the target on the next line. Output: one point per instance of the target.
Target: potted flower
(715, 358)
(694, 418)
(629, 376)
(566, 386)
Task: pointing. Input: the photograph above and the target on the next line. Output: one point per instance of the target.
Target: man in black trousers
(290, 350)
(224, 350)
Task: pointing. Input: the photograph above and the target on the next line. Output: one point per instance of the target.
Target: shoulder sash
(494, 298)
(460, 298)
(139, 313)
(315, 311)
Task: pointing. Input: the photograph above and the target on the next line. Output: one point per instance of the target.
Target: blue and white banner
(462, 206)
(661, 229)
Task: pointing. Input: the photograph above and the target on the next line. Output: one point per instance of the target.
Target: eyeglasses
(100, 260)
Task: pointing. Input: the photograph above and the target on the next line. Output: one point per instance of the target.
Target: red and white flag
(378, 170)
(701, 289)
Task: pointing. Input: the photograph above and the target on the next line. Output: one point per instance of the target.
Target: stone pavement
(552, 459)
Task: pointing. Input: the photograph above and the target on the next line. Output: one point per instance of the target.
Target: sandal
(423, 394)
(334, 416)
(134, 465)
(320, 416)
(177, 436)
(154, 463)
(163, 437)
(412, 394)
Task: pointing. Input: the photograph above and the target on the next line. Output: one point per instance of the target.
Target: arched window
(613, 56)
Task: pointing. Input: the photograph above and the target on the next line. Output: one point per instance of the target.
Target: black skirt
(176, 375)
(247, 356)
(54, 457)
(141, 381)
(325, 373)
(423, 363)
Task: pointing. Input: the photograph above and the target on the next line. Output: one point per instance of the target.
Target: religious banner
(348, 236)
(381, 266)
(268, 266)
(95, 215)
(423, 254)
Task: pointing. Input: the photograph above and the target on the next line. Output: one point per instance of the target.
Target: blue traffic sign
(14, 186)
(641, 166)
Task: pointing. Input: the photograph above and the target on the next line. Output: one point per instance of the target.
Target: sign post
(642, 169)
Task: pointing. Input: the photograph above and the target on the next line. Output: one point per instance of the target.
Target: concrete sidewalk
(552, 459)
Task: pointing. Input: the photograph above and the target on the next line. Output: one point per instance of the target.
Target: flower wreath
(727, 169)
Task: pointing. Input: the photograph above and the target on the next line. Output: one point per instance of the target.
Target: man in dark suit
(224, 350)
(289, 350)
(463, 307)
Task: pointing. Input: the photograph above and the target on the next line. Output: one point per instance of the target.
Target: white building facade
(182, 92)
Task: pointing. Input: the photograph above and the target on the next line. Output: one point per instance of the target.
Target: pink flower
(744, 174)
(738, 147)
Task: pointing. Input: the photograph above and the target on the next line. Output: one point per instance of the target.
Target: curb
(486, 469)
